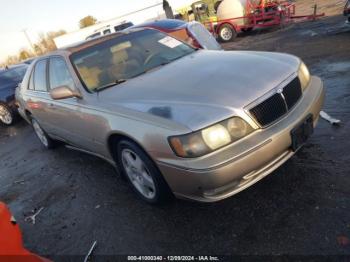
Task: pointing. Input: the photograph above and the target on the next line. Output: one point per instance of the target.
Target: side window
(59, 74)
(107, 31)
(40, 76)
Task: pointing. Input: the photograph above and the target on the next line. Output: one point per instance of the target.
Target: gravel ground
(301, 209)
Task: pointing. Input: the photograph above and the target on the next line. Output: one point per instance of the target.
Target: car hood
(204, 87)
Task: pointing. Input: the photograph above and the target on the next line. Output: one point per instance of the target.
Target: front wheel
(142, 173)
(7, 116)
(227, 33)
(45, 140)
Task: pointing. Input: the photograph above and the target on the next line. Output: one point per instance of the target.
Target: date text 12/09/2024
(173, 258)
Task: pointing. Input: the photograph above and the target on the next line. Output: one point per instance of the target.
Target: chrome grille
(292, 92)
(278, 104)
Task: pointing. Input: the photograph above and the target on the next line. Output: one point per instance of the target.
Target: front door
(66, 114)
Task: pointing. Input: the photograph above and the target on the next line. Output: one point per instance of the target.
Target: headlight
(216, 136)
(304, 76)
(210, 139)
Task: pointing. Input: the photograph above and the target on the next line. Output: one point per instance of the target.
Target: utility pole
(28, 39)
(167, 9)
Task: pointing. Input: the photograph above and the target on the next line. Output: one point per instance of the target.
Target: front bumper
(232, 169)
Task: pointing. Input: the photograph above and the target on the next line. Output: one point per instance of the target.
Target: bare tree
(44, 45)
(24, 54)
(87, 21)
(46, 41)
(13, 59)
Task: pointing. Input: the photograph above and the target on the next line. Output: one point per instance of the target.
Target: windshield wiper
(117, 82)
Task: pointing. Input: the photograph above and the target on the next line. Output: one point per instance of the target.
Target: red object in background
(175, 28)
(11, 244)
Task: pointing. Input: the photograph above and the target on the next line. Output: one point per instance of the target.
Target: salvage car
(198, 124)
(193, 33)
(9, 80)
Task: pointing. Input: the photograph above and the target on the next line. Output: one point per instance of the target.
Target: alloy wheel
(138, 173)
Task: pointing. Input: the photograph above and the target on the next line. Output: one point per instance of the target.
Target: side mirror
(63, 92)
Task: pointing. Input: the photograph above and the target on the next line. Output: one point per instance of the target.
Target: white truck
(147, 14)
(109, 29)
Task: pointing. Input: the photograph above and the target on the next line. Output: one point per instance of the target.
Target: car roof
(167, 24)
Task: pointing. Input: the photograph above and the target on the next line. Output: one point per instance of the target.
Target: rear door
(38, 98)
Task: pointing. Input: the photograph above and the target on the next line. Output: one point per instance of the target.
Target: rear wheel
(7, 116)
(142, 173)
(45, 140)
(227, 33)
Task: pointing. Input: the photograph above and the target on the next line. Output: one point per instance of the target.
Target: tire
(227, 33)
(142, 174)
(7, 116)
(43, 137)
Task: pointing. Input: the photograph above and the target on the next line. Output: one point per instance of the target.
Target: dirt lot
(301, 209)
(329, 7)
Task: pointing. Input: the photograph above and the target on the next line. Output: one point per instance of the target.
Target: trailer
(236, 16)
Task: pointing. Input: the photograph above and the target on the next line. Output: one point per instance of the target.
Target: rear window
(167, 24)
(93, 36)
(123, 26)
(107, 31)
(12, 75)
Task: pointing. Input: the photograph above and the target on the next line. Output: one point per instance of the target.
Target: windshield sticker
(170, 42)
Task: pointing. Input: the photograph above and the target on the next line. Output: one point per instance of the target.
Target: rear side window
(59, 74)
(40, 76)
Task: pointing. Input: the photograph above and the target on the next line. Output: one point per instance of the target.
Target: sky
(40, 16)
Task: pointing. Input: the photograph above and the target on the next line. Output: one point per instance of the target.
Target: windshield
(121, 58)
